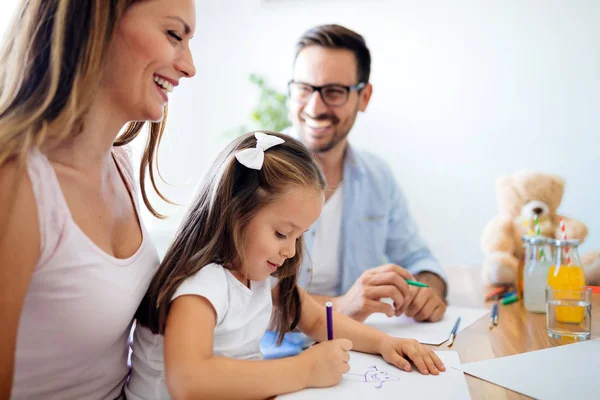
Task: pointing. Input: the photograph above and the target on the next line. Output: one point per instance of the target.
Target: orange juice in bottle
(567, 274)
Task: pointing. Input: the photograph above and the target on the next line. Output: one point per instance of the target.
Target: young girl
(233, 261)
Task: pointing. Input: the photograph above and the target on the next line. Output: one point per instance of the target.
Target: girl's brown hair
(214, 229)
(50, 69)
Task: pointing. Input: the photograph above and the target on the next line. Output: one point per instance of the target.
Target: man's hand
(363, 298)
(426, 304)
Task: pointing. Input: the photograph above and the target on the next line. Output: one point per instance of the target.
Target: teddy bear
(520, 197)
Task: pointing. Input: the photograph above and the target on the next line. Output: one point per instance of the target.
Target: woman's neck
(90, 150)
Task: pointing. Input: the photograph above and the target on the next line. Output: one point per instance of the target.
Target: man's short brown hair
(338, 37)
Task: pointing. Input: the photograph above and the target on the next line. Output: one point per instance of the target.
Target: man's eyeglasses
(333, 95)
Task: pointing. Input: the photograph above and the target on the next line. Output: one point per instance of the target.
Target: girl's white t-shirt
(243, 315)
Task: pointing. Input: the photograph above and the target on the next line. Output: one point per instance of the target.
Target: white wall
(464, 92)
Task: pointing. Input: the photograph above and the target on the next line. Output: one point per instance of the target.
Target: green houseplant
(270, 112)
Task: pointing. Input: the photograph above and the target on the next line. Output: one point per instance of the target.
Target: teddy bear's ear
(558, 181)
(508, 198)
(557, 188)
(503, 180)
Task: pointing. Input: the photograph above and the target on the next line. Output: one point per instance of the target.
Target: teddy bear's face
(526, 223)
(526, 194)
(535, 207)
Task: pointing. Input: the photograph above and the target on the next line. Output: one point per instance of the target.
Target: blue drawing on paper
(373, 374)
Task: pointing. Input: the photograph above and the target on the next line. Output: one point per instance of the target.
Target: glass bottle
(538, 261)
(521, 269)
(566, 274)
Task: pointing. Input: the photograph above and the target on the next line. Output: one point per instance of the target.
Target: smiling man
(365, 221)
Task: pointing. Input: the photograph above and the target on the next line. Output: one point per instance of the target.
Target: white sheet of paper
(426, 332)
(563, 372)
(371, 377)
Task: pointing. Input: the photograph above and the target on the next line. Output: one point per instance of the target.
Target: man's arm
(406, 248)
(409, 256)
(364, 297)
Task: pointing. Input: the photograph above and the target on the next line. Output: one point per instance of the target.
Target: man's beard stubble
(335, 140)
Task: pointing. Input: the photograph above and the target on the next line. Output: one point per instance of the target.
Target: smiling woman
(73, 74)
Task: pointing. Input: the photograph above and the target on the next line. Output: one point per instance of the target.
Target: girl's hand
(326, 362)
(398, 351)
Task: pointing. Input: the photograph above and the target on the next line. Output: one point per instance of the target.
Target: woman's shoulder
(19, 229)
(17, 200)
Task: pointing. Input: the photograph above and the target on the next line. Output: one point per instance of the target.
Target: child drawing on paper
(372, 374)
(231, 272)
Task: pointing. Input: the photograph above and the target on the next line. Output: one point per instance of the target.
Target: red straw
(595, 289)
(564, 236)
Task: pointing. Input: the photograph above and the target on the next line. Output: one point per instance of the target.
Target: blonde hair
(214, 229)
(50, 69)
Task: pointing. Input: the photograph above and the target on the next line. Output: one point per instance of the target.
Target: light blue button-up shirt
(376, 225)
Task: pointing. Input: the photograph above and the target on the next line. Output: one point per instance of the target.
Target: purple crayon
(329, 306)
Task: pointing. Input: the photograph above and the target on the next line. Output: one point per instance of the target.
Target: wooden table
(518, 331)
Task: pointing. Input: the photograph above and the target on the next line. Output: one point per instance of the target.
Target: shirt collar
(352, 165)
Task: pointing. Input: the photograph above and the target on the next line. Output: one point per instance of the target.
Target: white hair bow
(254, 158)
